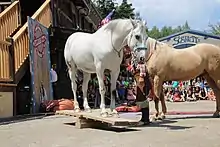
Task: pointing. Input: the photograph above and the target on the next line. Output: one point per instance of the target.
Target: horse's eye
(137, 37)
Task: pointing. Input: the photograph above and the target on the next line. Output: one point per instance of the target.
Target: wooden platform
(93, 119)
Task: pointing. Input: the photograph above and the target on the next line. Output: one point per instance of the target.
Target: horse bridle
(121, 48)
(134, 55)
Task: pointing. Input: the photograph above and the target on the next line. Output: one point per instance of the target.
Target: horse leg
(100, 76)
(157, 90)
(86, 78)
(114, 77)
(216, 90)
(156, 104)
(163, 105)
(72, 74)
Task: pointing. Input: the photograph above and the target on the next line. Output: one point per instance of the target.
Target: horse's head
(138, 36)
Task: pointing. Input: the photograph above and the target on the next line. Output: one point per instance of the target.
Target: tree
(104, 6)
(166, 31)
(177, 29)
(155, 33)
(215, 28)
(185, 26)
(124, 10)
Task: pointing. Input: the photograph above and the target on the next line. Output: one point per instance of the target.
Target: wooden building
(61, 17)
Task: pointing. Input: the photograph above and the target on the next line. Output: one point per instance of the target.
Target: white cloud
(198, 13)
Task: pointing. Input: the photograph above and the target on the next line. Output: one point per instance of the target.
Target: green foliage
(124, 10)
(215, 28)
(104, 6)
(166, 31)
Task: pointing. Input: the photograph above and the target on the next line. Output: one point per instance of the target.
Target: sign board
(40, 64)
(190, 38)
(185, 39)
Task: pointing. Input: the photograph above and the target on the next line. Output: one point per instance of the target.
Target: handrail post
(11, 58)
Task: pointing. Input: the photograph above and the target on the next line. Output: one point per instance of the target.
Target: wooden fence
(6, 61)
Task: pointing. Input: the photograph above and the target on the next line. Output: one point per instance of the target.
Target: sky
(198, 13)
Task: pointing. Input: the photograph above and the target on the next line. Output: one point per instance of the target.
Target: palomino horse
(93, 53)
(165, 63)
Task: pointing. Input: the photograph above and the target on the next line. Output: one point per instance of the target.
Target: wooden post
(82, 123)
(11, 59)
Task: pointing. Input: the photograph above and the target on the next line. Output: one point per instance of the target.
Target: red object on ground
(128, 109)
(62, 104)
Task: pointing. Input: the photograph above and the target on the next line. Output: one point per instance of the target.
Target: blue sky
(198, 13)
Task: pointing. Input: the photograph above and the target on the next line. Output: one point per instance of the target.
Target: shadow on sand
(193, 117)
(109, 128)
(166, 123)
(161, 124)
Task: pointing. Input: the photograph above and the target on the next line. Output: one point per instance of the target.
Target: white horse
(93, 53)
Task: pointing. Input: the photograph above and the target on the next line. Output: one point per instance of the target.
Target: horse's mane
(152, 42)
(111, 24)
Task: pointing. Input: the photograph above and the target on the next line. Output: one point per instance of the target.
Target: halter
(134, 59)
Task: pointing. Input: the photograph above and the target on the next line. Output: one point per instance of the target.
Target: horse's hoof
(115, 114)
(161, 117)
(89, 110)
(216, 115)
(152, 119)
(77, 110)
(104, 114)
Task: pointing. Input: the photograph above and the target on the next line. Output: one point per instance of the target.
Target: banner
(40, 64)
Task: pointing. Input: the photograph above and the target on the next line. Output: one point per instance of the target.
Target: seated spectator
(91, 93)
(130, 93)
(169, 95)
(177, 97)
(121, 88)
(190, 95)
(196, 92)
(211, 95)
(203, 95)
(175, 84)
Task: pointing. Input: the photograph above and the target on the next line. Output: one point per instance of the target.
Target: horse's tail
(67, 55)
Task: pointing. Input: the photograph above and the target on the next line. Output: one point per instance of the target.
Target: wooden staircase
(14, 49)
(9, 22)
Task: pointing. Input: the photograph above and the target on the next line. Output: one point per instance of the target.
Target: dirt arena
(176, 130)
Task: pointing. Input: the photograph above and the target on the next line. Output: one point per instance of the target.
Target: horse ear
(133, 22)
(145, 23)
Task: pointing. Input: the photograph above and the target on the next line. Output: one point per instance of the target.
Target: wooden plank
(5, 3)
(5, 42)
(95, 116)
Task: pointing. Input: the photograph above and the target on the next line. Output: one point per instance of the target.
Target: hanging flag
(106, 19)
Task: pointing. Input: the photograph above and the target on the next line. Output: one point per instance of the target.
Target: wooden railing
(21, 39)
(9, 20)
(4, 5)
(5, 62)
